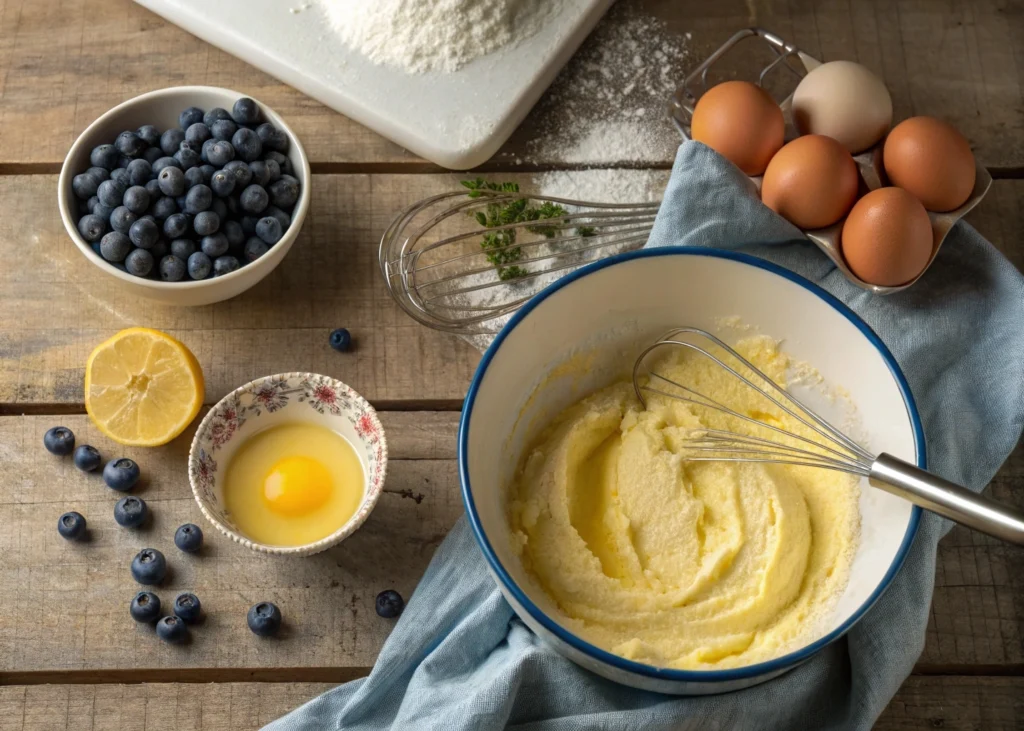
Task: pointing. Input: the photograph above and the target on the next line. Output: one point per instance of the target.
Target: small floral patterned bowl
(266, 402)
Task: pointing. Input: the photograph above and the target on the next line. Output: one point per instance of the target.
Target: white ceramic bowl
(161, 108)
(273, 400)
(607, 310)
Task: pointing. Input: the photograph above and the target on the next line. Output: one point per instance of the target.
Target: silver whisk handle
(948, 499)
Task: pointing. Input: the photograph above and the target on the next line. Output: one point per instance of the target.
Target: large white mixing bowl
(600, 316)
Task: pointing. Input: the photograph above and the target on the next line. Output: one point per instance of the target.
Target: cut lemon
(142, 387)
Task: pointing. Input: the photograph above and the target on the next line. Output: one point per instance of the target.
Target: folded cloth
(459, 659)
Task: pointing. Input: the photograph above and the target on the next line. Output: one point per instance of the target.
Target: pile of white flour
(417, 36)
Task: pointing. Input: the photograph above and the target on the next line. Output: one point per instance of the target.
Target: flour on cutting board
(417, 36)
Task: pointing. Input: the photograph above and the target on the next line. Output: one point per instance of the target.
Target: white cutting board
(457, 120)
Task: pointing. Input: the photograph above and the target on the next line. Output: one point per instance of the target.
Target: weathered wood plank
(954, 703)
(69, 62)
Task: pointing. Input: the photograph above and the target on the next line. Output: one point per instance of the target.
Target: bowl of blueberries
(188, 195)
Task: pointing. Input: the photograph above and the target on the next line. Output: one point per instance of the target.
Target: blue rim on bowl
(749, 671)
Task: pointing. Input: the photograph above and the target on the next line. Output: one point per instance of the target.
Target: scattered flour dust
(417, 36)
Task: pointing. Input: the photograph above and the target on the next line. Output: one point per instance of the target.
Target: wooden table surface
(70, 657)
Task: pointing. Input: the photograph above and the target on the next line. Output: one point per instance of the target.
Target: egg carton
(783, 67)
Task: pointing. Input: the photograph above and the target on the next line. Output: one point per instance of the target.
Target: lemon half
(142, 387)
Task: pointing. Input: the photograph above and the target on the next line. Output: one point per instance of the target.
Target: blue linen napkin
(459, 658)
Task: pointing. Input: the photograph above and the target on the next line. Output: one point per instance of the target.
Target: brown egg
(741, 122)
(887, 238)
(932, 160)
(811, 182)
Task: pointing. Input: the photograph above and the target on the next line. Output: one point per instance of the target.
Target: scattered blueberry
(187, 607)
(215, 114)
(199, 266)
(59, 440)
(171, 139)
(254, 199)
(264, 619)
(272, 138)
(121, 219)
(198, 199)
(165, 162)
(172, 181)
(284, 192)
(130, 511)
(85, 185)
(145, 607)
(176, 225)
(183, 248)
(234, 233)
(129, 144)
(223, 129)
(87, 458)
(121, 474)
(171, 629)
(269, 229)
(222, 183)
(194, 177)
(71, 525)
(188, 537)
(164, 207)
(148, 134)
(225, 265)
(245, 111)
(110, 193)
(189, 117)
(172, 268)
(341, 339)
(206, 223)
(92, 227)
(139, 172)
(389, 604)
(198, 133)
(247, 144)
(139, 262)
(149, 567)
(115, 246)
(255, 247)
(214, 246)
(136, 199)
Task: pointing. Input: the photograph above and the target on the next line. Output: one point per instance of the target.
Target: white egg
(845, 101)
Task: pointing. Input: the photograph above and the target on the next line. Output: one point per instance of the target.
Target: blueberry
(187, 607)
(171, 629)
(171, 140)
(71, 525)
(199, 266)
(136, 199)
(129, 144)
(100, 174)
(206, 223)
(87, 458)
(272, 138)
(176, 225)
(193, 177)
(130, 511)
(189, 117)
(389, 604)
(254, 199)
(283, 162)
(139, 172)
(85, 185)
(341, 339)
(120, 177)
(164, 207)
(153, 188)
(163, 163)
(245, 111)
(198, 199)
(204, 152)
(207, 171)
(282, 218)
(102, 211)
(92, 203)
(269, 229)
(214, 115)
(180, 203)
(222, 183)
(123, 162)
(255, 248)
(225, 265)
(144, 233)
(104, 156)
(59, 440)
(260, 173)
(145, 607)
(247, 144)
(215, 245)
(223, 129)
(188, 157)
(139, 262)
(121, 219)
(115, 246)
(92, 227)
(249, 225)
(284, 192)
(110, 193)
(121, 474)
(183, 248)
(264, 619)
(152, 154)
(172, 181)
(149, 566)
(198, 133)
(273, 170)
(160, 249)
(234, 204)
(241, 171)
(172, 268)
(220, 208)
(96, 248)
(148, 134)
(234, 233)
(220, 153)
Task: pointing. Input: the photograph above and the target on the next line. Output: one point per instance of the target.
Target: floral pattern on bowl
(265, 402)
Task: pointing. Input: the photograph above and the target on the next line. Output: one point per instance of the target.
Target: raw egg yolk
(296, 486)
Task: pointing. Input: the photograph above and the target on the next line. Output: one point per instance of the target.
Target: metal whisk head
(464, 261)
(752, 439)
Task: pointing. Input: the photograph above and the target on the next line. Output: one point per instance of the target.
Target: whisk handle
(948, 499)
